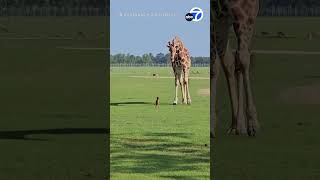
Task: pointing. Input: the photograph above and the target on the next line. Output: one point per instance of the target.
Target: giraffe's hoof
(252, 131)
(232, 131)
(253, 128)
(174, 103)
(189, 102)
(241, 132)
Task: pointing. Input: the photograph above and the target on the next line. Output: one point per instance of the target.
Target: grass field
(286, 89)
(53, 111)
(171, 142)
(52, 103)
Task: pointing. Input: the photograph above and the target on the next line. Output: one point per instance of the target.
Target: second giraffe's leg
(244, 59)
(214, 73)
(223, 25)
(186, 82)
(241, 128)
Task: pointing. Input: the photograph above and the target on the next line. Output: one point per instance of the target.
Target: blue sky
(139, 35)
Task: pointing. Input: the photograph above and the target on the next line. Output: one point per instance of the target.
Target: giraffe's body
(241, 15)
(181, 64)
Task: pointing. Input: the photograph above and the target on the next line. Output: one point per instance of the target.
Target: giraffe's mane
(177, 41)
(183, 50)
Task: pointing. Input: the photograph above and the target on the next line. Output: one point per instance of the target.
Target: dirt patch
(301, 95)
(204, 92)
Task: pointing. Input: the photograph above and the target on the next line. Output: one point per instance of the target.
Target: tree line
(149, 58)
(264, 4)
(53, 3)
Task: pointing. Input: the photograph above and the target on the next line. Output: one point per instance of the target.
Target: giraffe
(181, 64)
(241, 14)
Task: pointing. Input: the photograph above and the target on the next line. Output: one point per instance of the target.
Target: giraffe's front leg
(186, 84)
(252, 124)
(175, 101)
(241, 120)
(182, 89)
(214, 72)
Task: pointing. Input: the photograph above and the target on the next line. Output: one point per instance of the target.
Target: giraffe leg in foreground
(214, 73)
(243, 55)
(223, 25)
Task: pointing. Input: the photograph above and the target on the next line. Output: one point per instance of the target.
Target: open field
(286, 89)
(51, 100)
(296, 27)
(53, 114)
(171, 142)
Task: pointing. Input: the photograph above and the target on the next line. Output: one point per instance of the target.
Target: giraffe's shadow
(129, 103)
(136, 103)
(23, 134)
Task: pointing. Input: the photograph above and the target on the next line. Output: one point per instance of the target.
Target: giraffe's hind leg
(223, 25)
(244, 33)
(176, 83)
(183, 89)
(186, 84)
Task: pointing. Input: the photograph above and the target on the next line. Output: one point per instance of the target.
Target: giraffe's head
(173, 48)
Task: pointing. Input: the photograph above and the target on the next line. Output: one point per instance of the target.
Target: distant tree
(160, 58)
(146, 59)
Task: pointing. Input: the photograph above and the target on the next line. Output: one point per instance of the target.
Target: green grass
(298, 27)
(53, 116)
(164, 143)
(45, 90)
(288, 143)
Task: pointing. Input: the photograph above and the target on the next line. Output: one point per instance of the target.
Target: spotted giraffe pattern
(181, 64)
(241, 15)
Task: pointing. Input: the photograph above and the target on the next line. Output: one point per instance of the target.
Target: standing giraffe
(241, 14)
(181, 63)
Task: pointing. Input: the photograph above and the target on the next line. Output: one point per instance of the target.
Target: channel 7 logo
(195, 14)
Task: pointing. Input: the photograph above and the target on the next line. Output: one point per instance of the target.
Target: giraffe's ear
(168, 45)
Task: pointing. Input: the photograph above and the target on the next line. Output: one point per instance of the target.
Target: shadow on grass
(137, 103)
(185, 177)
(129, 103)
(179, 135)
(21, 135)
(65, 116)
(312, 77)
(160, 153)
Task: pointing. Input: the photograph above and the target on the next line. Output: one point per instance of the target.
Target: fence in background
(152, 65)
(289, 11)
(91, 11)
(52, 11)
